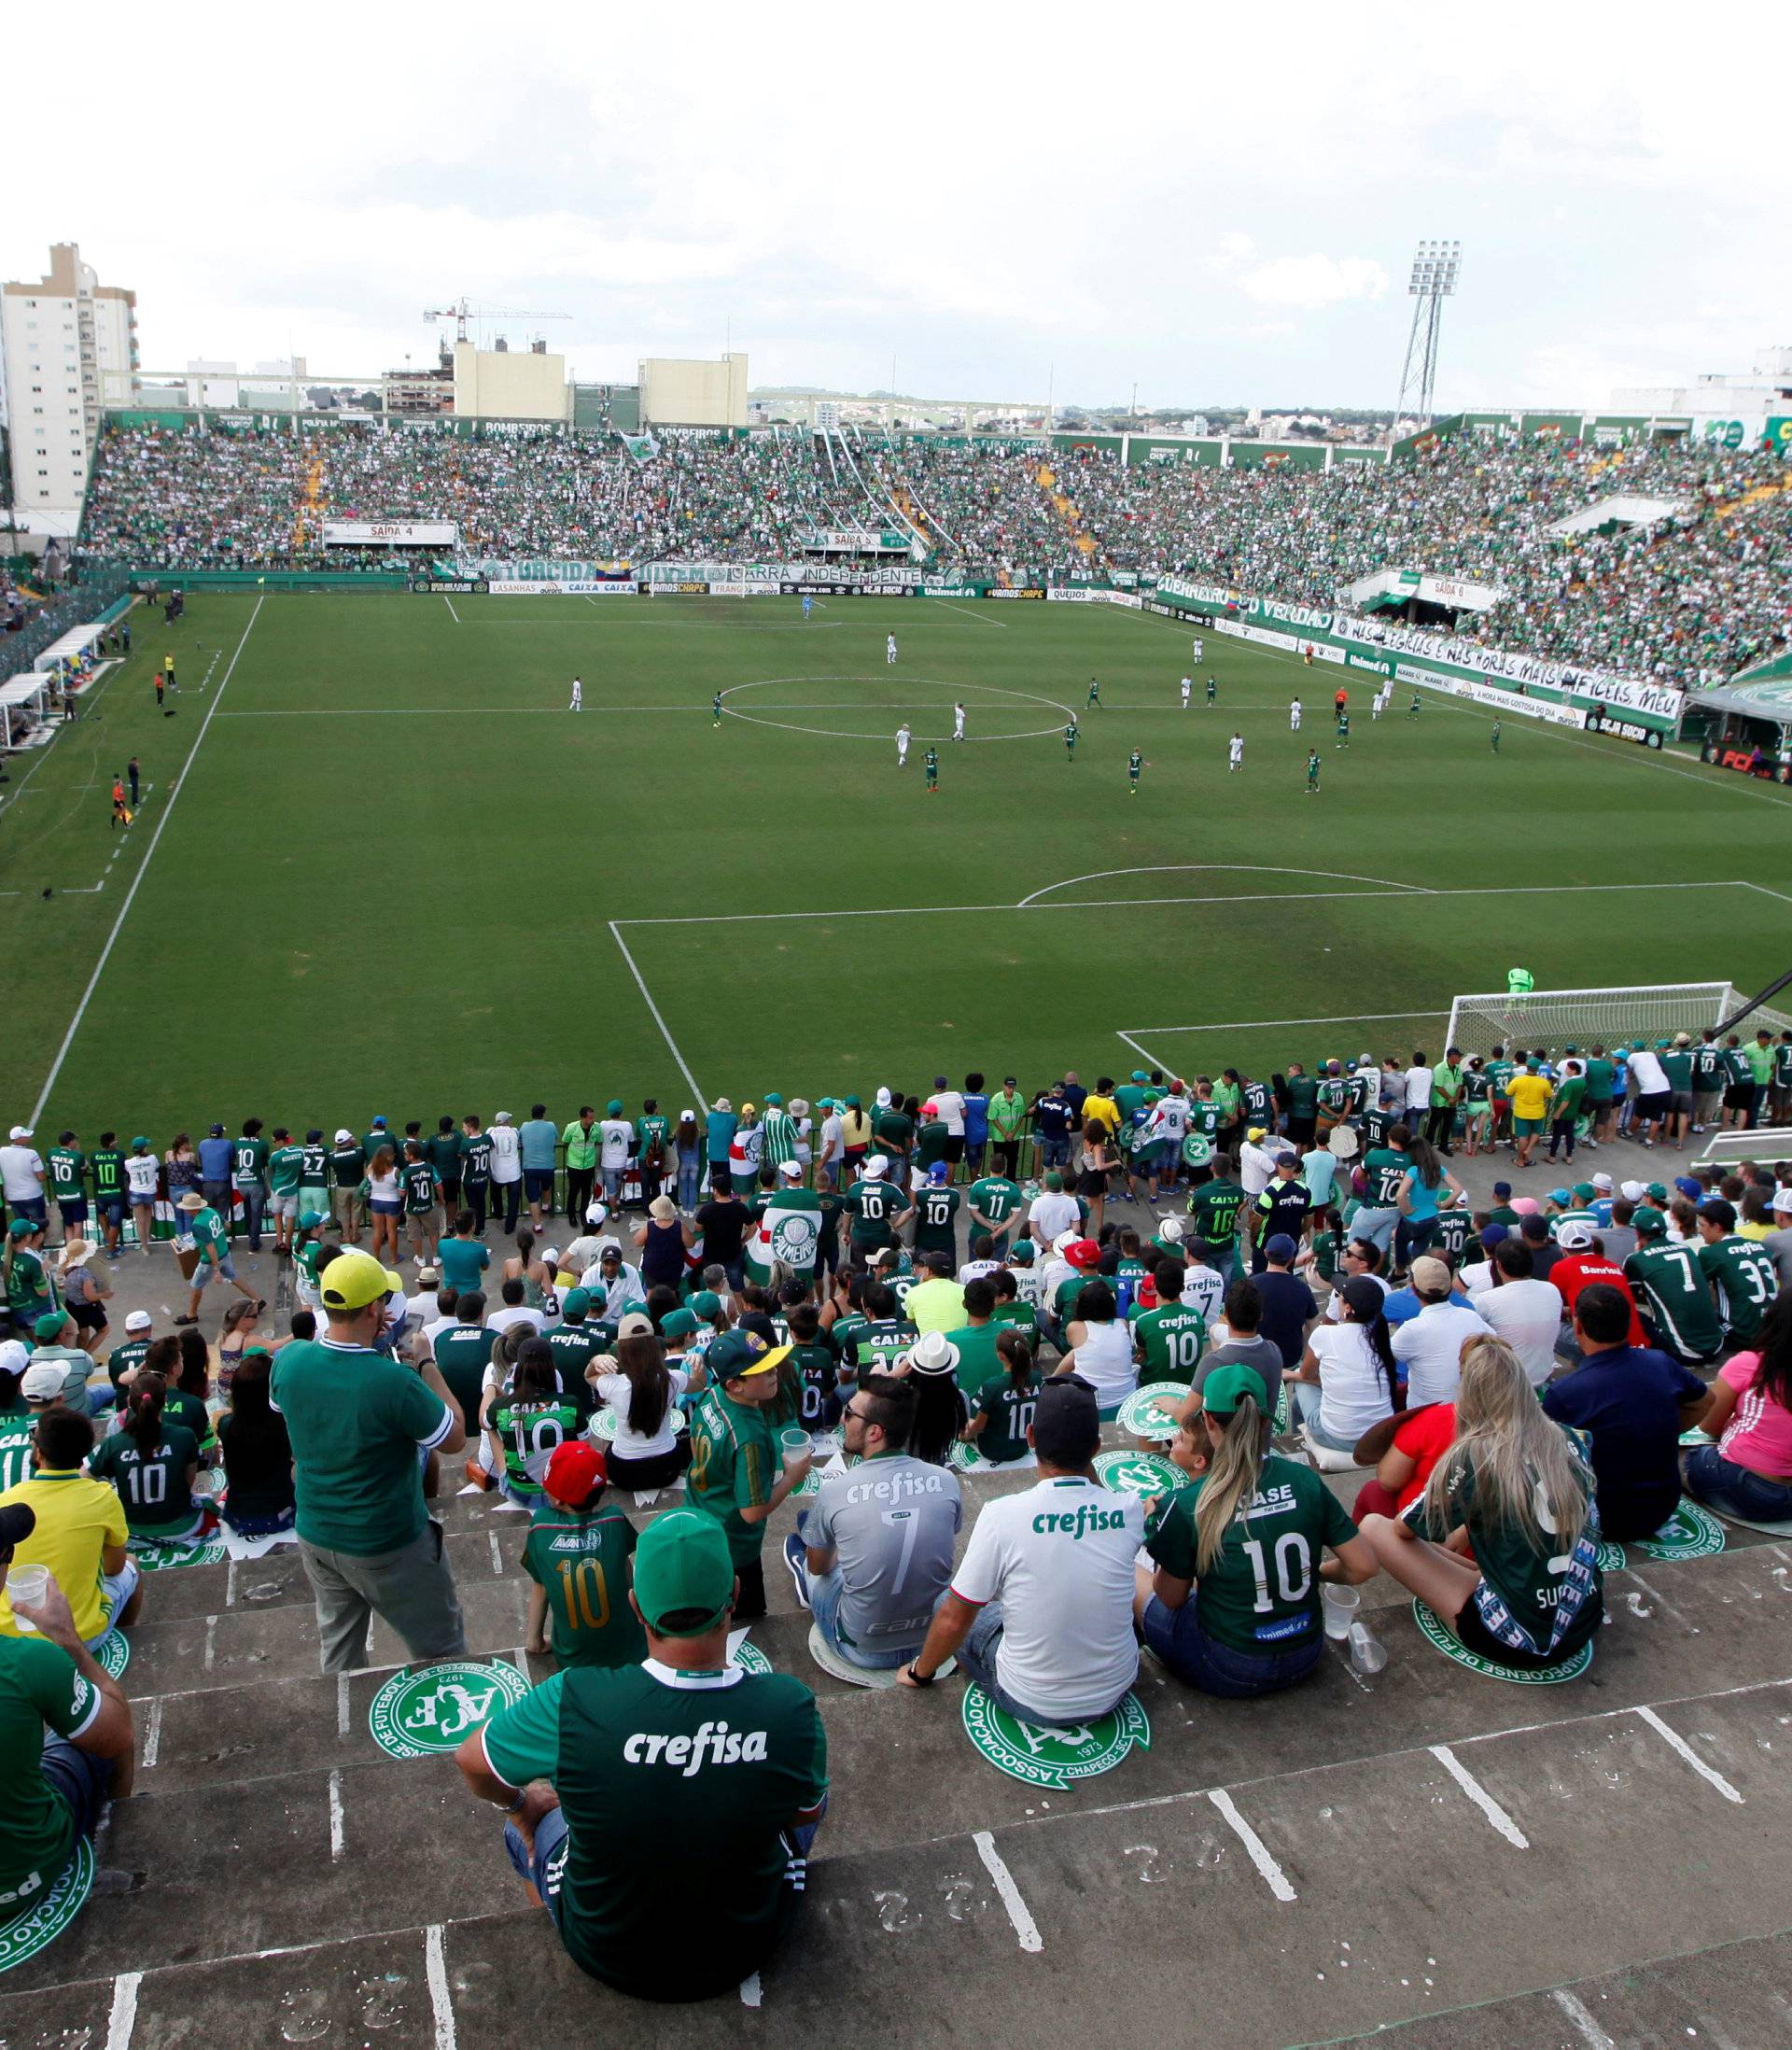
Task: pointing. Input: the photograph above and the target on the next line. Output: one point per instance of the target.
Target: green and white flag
(780, 1128)
(788, 1233)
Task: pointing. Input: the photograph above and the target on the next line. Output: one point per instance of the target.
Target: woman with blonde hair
(384, 1204)
(1233, 1603)
(1503, 1545)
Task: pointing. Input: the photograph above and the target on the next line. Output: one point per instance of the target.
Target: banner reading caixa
(450, 586)
(560, 587)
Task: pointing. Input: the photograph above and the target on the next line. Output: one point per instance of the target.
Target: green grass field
(379, 866)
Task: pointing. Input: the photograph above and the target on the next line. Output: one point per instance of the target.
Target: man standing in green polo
(662, 1812)
(1007, 1122)
(736, 1474)
(581, 1140)
(358, 1420)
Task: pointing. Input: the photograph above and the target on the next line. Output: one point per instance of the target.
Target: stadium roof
(1615, 513)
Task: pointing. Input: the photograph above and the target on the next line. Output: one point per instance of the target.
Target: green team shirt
(733, 1464)
(574, 1346)
(123, 1359)
(1476, 1087)
(654, 1131)
(1745, 1281)
(845, 1333)
(1602, 1077)
(1261, 1593)
(1565, 1103)
(421, 1185)
(1303, 1097)
(357, 1420)
(314, 1166)
(1783, 1064)
(1677, 1067)
(16, 1427)
(528, 1434)
(675, 1789)
(284, 1163)
(1385, 1171)
(1377, 1124)
(462, 1355)
(1129, 1101)
(1498, 1077)
(930, 1144)
(1529, 1579)
(208, 1235)
(931, 760)
(937, 1210)
(996, 1197)
(1020, 1316)
(475, 1158)
(1671, 1283)
(1135, 762)
(152, 1486)
(1172, 1338)
(109, 1173)
(39, 1685)
(883, 1341)
(1327, 1245)
(1008, 1416)
(442, 1152)
(873, 1207)
(67, 1173)
(1707, 1067)
(1070, 736)
(580, 1559)
(30, 1291)
(347, 1164)
(1215, 1207)
(1204, 1117)
(248, 1161)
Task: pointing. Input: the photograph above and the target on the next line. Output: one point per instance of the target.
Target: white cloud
(1313, 281)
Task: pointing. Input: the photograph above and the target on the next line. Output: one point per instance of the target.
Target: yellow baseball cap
(352, 1279)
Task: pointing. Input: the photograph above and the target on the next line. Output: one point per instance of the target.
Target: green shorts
(1524, 1127)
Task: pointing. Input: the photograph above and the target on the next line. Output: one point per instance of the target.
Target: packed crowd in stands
(895, 1290)
(1688, 599)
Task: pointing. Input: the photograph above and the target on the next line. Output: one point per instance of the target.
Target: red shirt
(1580, 1269)
(1425, 1436)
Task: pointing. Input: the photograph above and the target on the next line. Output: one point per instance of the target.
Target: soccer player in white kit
(1198, 646)
(901, 744)
(1293, 716)
(578, 697)
(890, 648)
(1235, 753)
(1188, 691)
(958, 721)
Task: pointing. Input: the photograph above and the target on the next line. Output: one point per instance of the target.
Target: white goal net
(1547, 1020)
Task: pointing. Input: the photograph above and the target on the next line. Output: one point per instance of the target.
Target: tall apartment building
(68, 349)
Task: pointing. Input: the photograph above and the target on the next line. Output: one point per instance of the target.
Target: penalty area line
(646, 998)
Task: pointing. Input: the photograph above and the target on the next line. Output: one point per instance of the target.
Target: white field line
(450, 603)
(1678, 1743)
(1272, 1873)
(152, 1737)
(1481, 1797)
(143, 869)
(1109, 904)
(1256, 1024)
(342, 1704)
(1019, 1914)
(1243, 868)
(982, 617)
(337, 1836)
(646, 998)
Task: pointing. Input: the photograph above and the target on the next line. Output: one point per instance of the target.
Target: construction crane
(463, 311)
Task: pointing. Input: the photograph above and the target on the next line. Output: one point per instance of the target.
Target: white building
(68, 349)
(1766, 389)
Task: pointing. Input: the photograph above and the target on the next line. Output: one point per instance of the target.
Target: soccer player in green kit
(1496, 737)
(1135, 762)
(716, 708)
(1412, 710)
(1312, 772)
(1343, 729)
(1070, 739)
(931, 762)
(1095, 693)
(1213, 692)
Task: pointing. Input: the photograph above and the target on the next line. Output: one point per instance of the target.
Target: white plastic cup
(794, 1444)
(27, 1583)
(1339, 1605)
(1368, 1655)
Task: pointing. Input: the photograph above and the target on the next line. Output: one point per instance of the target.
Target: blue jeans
(255, 1204)
(1735, 1491)
(1054, 1153)
(545, 1870)
(1177, 1638)
(78, 1779)
(1304, 1396)
(824, 1602)
(978, 1655)
(1376, 1226)
(258, 1526)
(689, 1174)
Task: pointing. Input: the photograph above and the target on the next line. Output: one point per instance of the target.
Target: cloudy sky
(1220, 205)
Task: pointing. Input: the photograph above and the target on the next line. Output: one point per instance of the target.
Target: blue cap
(1563, 1196)
(938, 1174)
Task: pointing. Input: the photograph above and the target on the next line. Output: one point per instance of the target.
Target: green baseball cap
(23, 1227)
(772, 1097)
(852, 1103)
(1226, 1387)
(1139, 1075)
(824, 1103)
(678, 1324)
(1648, 1224)
(310, 1220)
(739, 1356)
(140, 1141)
(706, 1302)
(1657, 1192)
(613, 1108)
(575, 1302)
(49, 1328)
(682, 1569)
(1585, 1192)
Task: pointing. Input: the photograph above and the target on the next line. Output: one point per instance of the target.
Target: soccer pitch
(380, 867)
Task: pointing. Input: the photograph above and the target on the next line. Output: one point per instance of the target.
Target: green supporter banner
(275, 580)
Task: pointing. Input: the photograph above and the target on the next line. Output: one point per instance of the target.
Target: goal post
(1547, 1020)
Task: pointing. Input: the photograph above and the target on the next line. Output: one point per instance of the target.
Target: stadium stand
(1685, 600)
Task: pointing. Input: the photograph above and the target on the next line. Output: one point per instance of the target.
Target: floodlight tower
(1434, 270)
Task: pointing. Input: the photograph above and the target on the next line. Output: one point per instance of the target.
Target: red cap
(1145, 1295)
(575, 1471)
(1083, 1253)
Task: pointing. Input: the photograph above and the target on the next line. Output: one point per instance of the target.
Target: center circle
(890, 703)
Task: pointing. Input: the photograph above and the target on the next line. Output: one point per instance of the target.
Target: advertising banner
(450, 586)
(546, 570)
(568, 587)
(391, 533)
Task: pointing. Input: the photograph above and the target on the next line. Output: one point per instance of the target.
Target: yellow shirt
(936, 1305)
(77, 1518)
(1104, 1109)
(1530, 1095)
